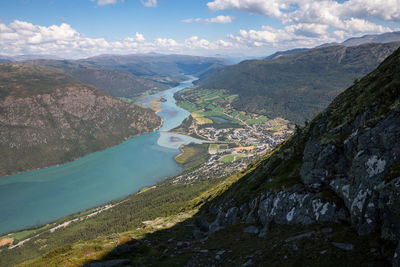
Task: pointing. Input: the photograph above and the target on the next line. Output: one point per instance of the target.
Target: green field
(260, 119)
(206, 104)
(192, 156)
(215, 103)
(228, 159)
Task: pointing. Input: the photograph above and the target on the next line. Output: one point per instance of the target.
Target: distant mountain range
(298, 85)
(387, 37)
(130, 75)
(154, 64)
(27, 57)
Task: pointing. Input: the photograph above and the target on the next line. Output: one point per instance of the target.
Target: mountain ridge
(386, 37)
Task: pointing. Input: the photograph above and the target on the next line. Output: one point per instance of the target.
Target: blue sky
(78, 28)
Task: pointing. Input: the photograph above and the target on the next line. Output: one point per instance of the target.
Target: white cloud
(105, 2)
(311, 9)
(192, 20)
(354, 25)
(21, 37)
(149, 3)
(194, 43)
(138, 38)
(270, 8)
(301, 35)
(218, 19)
(166, 42)
(307, 30)
(311, 18)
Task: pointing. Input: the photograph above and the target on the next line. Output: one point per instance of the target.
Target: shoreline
(90, 153)
(53, 225)
(99, 150)
(37, 227)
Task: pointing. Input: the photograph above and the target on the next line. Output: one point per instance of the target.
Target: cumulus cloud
(166, 42)
(311, 9)
(149, 3)
(302, 35)
(21, 37)
(307, 30)
(310, 18)
(271, 8)
(218, 19)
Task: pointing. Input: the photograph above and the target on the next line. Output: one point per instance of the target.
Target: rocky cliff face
(343, 167)
(65, 121)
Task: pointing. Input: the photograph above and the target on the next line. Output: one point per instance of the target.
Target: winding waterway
(40, 196)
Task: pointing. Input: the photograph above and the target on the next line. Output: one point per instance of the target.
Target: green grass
(277, 128)
(18, 236)
(261, 119)
(208, 100)
(188, 106)
(213, 146)
(127, 100)
(192, 156)
(227, 159)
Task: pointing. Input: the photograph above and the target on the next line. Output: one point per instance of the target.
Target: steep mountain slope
(295, 86)
(48, 118)
(386, 37)
(343, 167)
(117, 83)
(328, 196)
(286, 53)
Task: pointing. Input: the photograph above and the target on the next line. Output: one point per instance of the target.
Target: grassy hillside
(47, 118)
(297, 86)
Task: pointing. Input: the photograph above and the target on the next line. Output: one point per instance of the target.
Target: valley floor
(237, 141)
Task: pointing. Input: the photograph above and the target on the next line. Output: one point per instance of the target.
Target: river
(37, 197)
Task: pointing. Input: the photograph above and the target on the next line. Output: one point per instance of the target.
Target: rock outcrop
(344, 166)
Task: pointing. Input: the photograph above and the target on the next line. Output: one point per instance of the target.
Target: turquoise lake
(41, 196)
